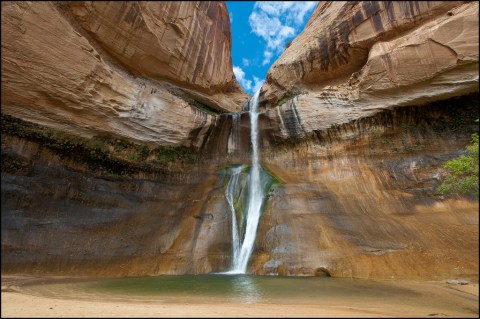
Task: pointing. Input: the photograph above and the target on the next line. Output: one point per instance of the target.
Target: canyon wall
(359, 115)
(104, 108)
(63, 216)
(354, 59)
(357, 200)
(135, 70)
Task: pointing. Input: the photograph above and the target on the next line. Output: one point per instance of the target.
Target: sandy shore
(18, 303)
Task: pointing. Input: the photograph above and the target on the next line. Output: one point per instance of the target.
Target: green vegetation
(268, 181)
(462, 176)
(121, 144)
(284, 99)
(112, 155)
(143, 151)
(204, 107)
(166, 154)
(15, 165)
(195, 103)
(133, 156)
(287, 96)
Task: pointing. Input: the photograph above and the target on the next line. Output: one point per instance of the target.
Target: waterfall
(232, 138)
(230, 195)
(248, 195)
(255, 195)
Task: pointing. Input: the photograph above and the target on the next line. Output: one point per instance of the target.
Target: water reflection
(242, 288)
(248, 289)
(245, 289)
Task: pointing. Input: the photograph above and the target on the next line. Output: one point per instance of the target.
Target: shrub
(143, 151)
(462, 178)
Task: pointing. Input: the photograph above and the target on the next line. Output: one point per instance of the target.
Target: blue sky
(260, 31)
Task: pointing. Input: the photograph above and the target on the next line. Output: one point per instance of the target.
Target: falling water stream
(256, 197)
(230, 195)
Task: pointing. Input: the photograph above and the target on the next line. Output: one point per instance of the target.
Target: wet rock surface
(63, 217)
(356, 201)
(346, 129)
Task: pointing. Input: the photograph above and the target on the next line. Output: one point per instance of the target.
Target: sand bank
(17, 302)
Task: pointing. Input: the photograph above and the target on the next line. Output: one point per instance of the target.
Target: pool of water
(249, 289)
(234, 288)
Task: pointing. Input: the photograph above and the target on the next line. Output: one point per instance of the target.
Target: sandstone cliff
(126, 69)
(358, 172)
(186, 43)
(353, 59)
(358, 121)
(357, 201)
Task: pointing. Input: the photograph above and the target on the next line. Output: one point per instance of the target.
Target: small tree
(462, 176)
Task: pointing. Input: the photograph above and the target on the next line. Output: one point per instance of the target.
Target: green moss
(121, 144)
(197, 104)
(143, 151)
(104, 153)
(268, 181)
(14, 165)
(204, 107)
(133, 156)
(287, 96)
(167, 154)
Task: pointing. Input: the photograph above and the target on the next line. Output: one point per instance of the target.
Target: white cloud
(257, 84)
(267, 56)
(245, 62)
(277, 22)
(245, 83)
(231, 17)
(240, 75)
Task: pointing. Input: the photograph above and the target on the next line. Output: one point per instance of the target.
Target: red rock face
(359, 199)
(378, 54)
(119, 68)
(356, 200)
(188, 43)
(358, 171)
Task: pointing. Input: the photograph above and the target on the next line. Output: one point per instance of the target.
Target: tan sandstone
(56, 74)
(186, 43)
(353, 60)
(357, 193)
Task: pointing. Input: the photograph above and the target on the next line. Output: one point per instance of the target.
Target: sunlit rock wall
(186, 43)
(358, 151)
(349, 124)
(359, 199)
(66, 65)
(353, 59)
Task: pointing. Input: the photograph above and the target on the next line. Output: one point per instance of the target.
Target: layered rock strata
(100, 67)
(186, 43)
(62, 214)
(357, 200)
(359, 180)
(358, 161)
(353, 59)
